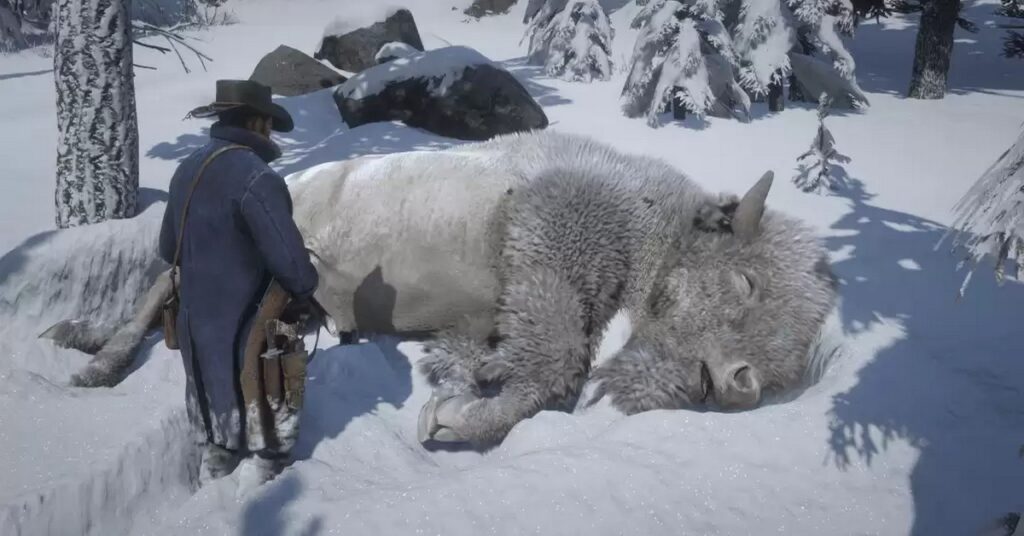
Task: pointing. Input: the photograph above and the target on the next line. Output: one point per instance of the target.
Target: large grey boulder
(453, 91)
(479, 8)
(353, 50)
(290, 72)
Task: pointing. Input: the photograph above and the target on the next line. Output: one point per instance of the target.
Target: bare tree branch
(173, 38)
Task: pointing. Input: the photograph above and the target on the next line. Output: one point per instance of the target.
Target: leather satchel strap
(188, 201)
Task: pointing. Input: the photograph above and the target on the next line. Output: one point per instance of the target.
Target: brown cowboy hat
(235, 94)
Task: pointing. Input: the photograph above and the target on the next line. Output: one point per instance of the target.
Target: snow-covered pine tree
(11, 37)
(990, 217)
(683, 51)
(1013, 43)
(763, 37)
(534, 7)
(97, 130)
(820, 27)
(817, 167)
(573, 44)
(648, 9)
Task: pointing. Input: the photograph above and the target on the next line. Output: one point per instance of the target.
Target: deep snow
(914, 429)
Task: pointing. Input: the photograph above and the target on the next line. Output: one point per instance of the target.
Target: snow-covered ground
(915, 429)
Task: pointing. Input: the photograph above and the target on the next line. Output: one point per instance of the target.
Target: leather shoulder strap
(188, 201)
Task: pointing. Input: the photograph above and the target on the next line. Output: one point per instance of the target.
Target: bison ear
(747, 220)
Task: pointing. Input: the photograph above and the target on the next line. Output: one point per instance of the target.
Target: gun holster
(273, 373)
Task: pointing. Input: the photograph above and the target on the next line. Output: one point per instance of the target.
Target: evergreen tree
(684, 52)
(648, 9)
(744, 44)
(11, 37)
(98, 143)
(574, 43)
(1013, 43)
(821, 26)
(990, 217)
(818, 167)
(763, 38)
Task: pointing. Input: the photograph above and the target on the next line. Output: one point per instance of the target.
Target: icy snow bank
(441, 66)
(81, 461)
(147, 474)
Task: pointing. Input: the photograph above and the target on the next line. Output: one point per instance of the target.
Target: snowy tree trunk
(796, 93)
(678, 108)
(934, 46)
(775, 101)
(97, 130)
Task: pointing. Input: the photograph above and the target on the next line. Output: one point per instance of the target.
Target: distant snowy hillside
(915, 428)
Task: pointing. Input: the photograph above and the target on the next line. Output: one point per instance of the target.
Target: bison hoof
(441, 417)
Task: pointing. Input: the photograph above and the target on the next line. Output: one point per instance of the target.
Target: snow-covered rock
(452, 91)
(393, 51)
(351, 44)
(290, 72)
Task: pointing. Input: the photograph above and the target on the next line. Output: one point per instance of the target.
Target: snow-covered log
(573, 44)
(97, 130)
(990, 217)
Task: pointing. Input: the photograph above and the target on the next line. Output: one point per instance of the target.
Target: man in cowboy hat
(228, 227)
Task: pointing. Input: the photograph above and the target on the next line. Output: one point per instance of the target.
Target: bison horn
(747, 219)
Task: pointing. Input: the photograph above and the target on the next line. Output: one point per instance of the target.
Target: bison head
(732, 315)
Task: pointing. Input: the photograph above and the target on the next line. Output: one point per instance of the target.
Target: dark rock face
(489, 7)
(355, 50)
(484, 101)
(290, 72)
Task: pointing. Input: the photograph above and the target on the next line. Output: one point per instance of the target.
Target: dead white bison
(517, 252)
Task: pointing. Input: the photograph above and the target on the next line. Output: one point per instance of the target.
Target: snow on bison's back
(404, 242)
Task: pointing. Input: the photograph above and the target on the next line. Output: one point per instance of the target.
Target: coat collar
(265, 148)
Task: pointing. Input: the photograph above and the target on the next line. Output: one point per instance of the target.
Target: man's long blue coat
(238, 235)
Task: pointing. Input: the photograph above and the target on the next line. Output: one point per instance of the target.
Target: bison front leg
(640, 378)
(540, 361)
(116, 351)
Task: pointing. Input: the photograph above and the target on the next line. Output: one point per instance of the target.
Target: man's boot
(257, 470)
(218, 462)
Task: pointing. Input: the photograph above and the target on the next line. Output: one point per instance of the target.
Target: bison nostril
(743, 378)
(706, 385)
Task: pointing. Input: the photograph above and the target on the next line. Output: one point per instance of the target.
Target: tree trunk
(804, 46)
(678, 108)
(934, 46)
(97, 130)
(775, 101)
